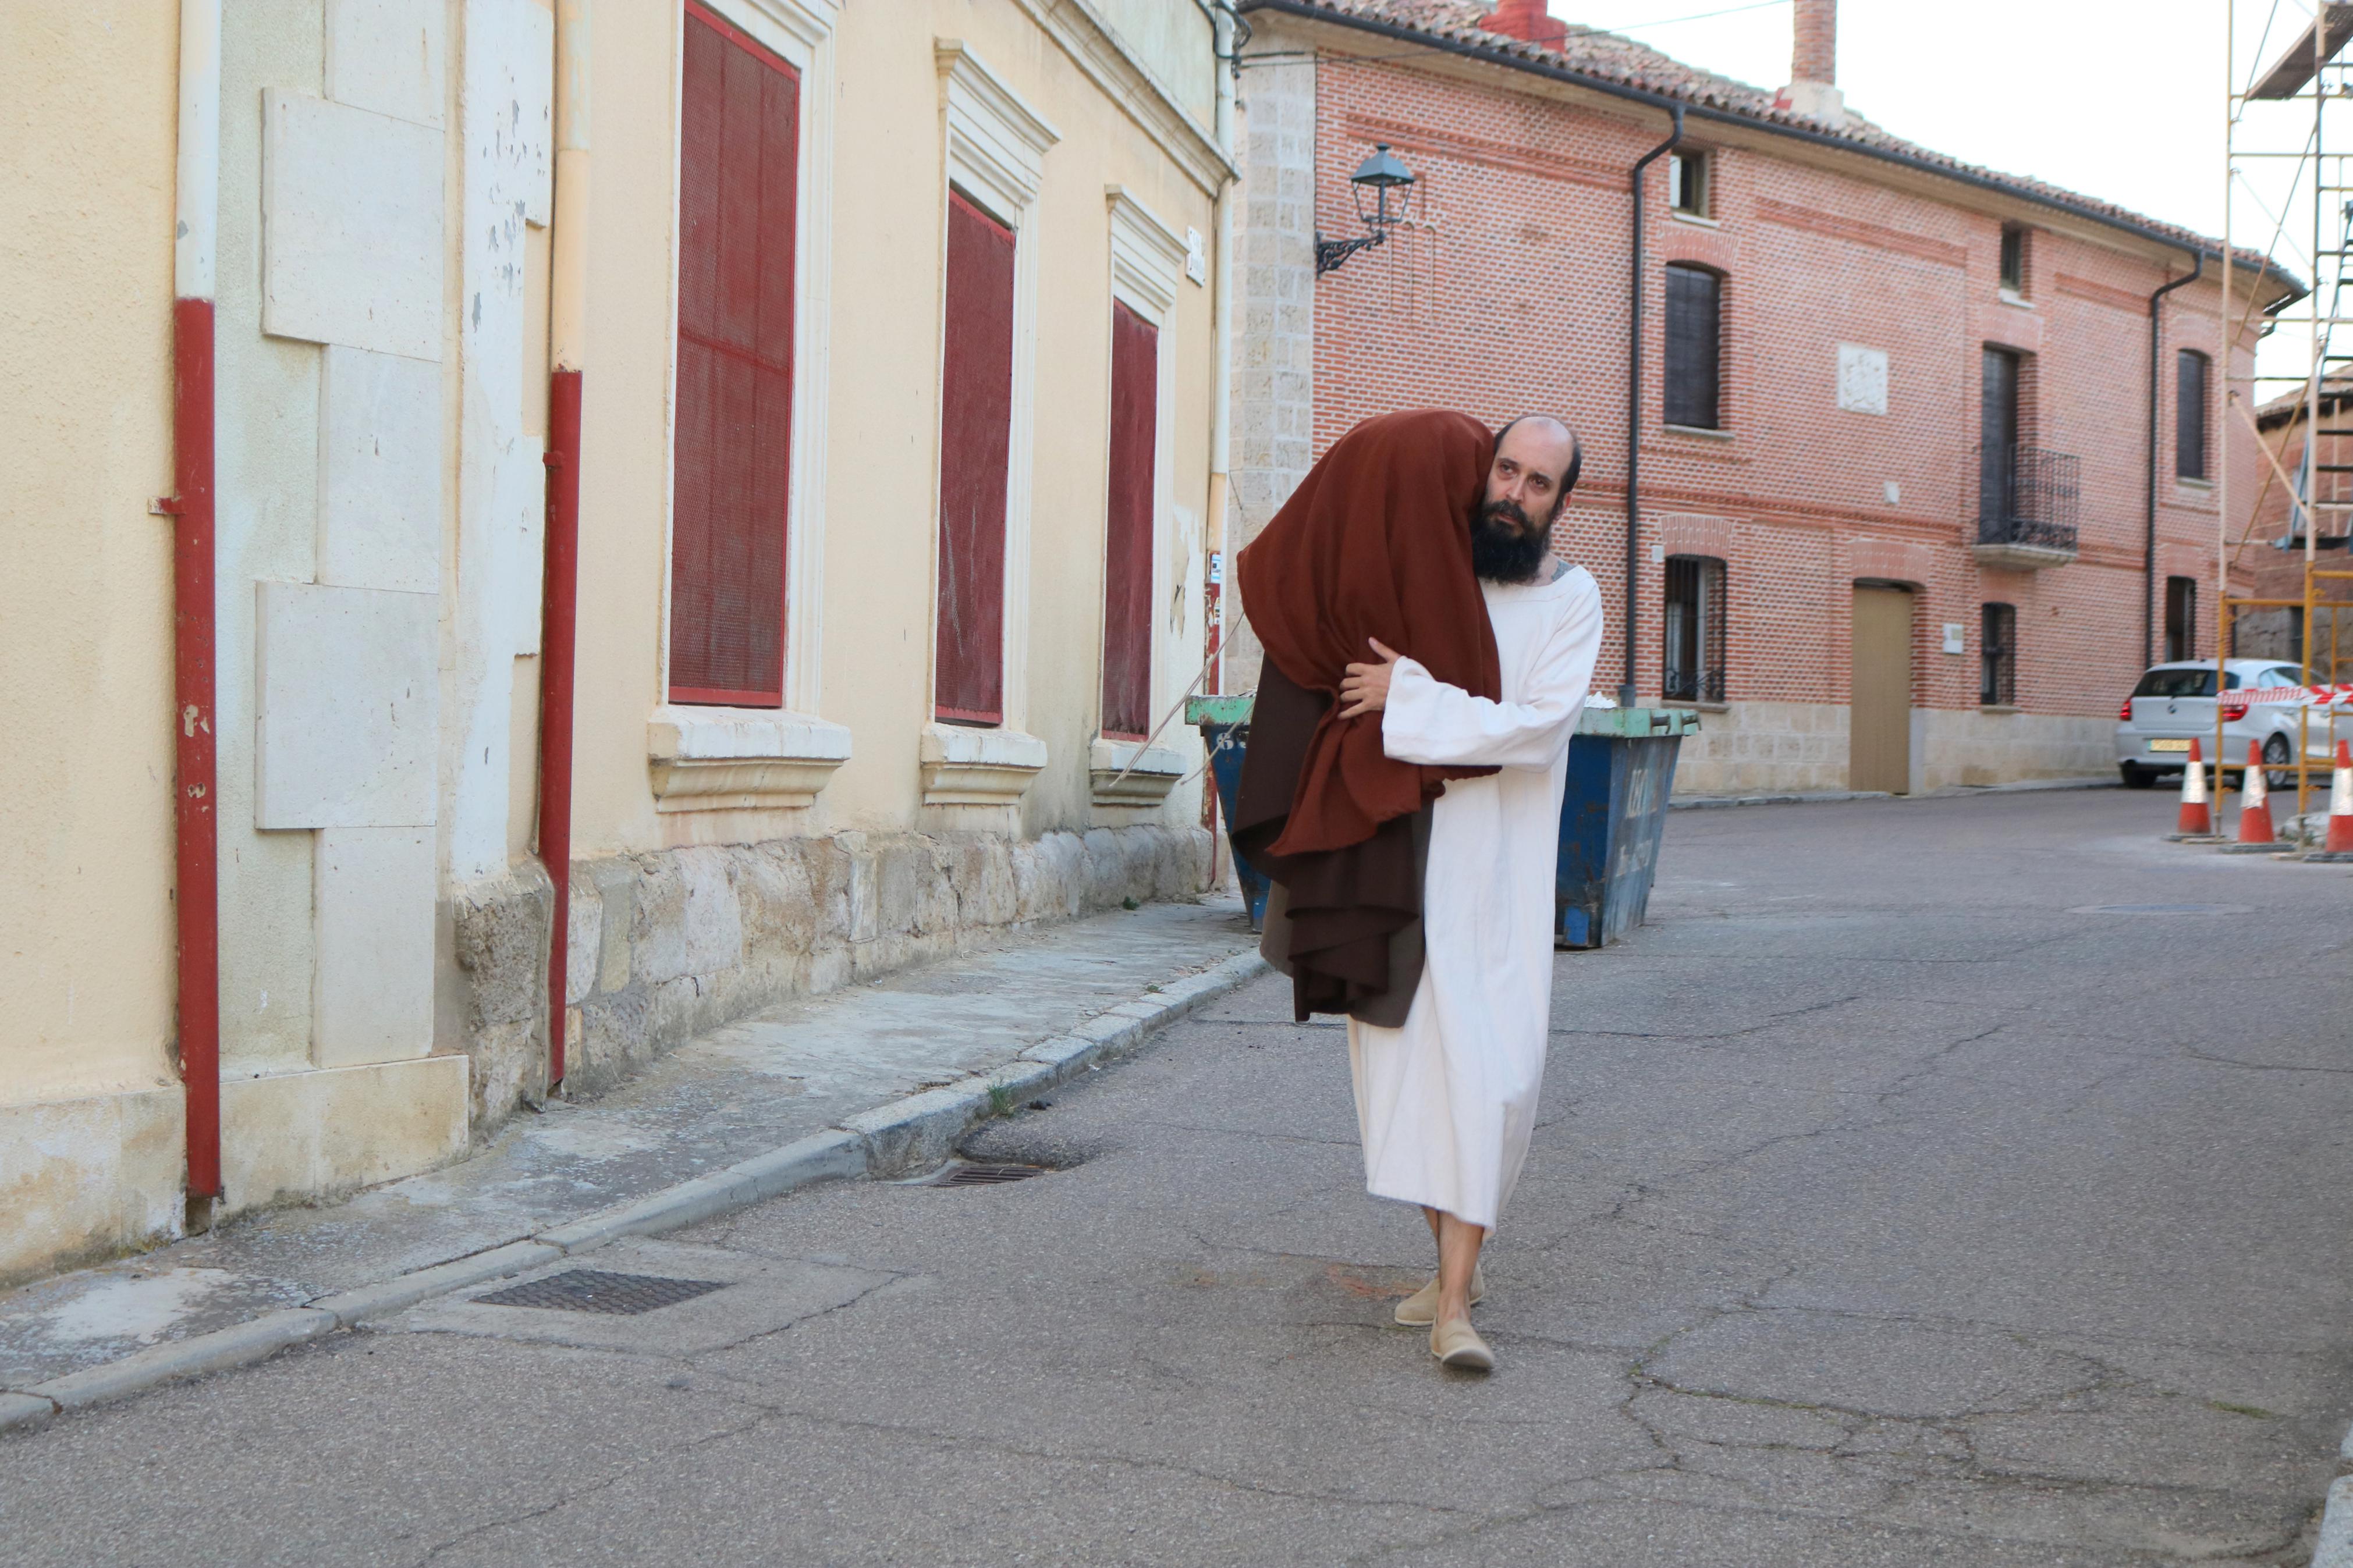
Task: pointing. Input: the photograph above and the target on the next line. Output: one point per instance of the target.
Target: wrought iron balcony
(2028, 501)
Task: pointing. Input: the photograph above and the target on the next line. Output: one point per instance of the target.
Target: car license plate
(2168, 745)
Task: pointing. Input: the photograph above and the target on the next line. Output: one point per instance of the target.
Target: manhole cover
(983, 1175)
(594, 1290)
(2162, 909)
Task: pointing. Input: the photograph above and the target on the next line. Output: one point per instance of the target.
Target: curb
(891, 1140)
(2335, 1548)
(1835, 796)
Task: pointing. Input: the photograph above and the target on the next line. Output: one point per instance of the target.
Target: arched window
(1694, 347)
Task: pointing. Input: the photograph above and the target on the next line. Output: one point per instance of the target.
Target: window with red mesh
(738, 176)
(1127, 548)
(975, 451)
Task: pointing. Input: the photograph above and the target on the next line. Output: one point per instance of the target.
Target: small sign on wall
(1862, 379)
(1953, 636)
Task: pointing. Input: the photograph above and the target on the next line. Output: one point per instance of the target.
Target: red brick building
(1893, 464)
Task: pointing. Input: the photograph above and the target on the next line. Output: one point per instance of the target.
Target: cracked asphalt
(1954, 1182)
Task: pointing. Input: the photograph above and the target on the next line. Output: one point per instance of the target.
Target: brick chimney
(1813, 65)
(1526, 19)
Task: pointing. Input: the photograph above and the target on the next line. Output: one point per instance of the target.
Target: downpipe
(196, 823)
(560, 585)
(1634, 407)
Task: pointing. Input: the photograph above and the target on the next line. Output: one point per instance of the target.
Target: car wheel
(2136, 776)
(2279, 749)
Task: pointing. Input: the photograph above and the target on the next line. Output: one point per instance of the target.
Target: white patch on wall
(1196, 257)
(1862, 379)
(1953, 630)
(379, 471)
(506, 110)
(386, 55)
(372, 919)
(349, 707)
(350, 204)
(1892, 491)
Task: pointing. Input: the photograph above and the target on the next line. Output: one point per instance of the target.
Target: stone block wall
(667, 944)
(1751, 748)
(1775, 747)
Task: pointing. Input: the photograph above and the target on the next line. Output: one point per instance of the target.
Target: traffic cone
(2255, 801)
(2340, 806)
(2196, 820)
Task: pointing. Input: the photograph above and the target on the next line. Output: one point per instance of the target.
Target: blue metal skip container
(1621, 769)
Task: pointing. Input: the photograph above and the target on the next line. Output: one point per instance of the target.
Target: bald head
(1537, 460)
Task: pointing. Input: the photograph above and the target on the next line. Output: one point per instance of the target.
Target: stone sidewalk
(765, 1083)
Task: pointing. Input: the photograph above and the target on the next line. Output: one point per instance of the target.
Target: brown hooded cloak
(1375, 543)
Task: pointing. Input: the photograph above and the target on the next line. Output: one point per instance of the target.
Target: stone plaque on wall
(1862, 379)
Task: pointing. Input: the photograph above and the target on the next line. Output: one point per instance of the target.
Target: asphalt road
(1950, 1183)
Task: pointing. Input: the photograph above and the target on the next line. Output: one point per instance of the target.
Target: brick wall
(1506, 293)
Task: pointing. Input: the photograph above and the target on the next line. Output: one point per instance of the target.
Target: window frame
(996, 147)
(1996, 655)
(1692, 172)
(2189, 414)
(1148, 260)
(1669, 385)
(1706, 620)
(801, 34)
(2180, 593)
(2011, 268)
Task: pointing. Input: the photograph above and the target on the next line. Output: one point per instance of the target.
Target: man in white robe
(1445, 1102)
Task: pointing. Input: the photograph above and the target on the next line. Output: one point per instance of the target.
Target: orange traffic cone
(2255, 801)
(2340, 806)
(2196, 820)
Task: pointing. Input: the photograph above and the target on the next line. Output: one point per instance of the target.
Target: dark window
(1997, 653)
(2013, 258)
(1127, 546)
(1997, 437)
(975, 451)
(1687, 175)
(2189, 414)
(2197, 682)
(2181, 618)
(738, 169)
(1694, 626)
(1695, 321)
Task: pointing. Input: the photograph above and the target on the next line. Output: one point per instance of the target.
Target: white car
(2174, 704)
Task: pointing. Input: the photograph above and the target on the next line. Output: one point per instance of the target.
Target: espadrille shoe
(1419, 1309)
(1457, 1344)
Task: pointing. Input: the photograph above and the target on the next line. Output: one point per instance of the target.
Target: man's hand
(1366, 687)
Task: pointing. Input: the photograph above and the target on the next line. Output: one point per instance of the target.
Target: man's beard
(1503, 547)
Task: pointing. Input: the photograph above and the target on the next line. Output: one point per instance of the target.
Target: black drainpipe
(1634, 413)
(2148, 563)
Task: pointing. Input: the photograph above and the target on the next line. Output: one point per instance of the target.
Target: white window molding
(739, 759)
(801, 34)
(965, 765)
(1147, 258)
(995, 154)
(1151, 772)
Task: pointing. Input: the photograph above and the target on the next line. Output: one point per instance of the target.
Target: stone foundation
(667, 944)
(1752, 748)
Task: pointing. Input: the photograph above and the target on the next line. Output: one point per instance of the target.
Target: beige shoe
(1420, 1310)
(1457, 1344)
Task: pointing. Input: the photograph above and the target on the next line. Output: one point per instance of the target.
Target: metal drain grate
(594, 1290)
(983, 1175)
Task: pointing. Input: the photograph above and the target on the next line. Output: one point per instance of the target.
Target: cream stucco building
(892, 326)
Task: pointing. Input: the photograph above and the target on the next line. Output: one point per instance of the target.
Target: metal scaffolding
(2280, 162)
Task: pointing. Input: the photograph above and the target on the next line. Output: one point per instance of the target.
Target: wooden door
(1879, 737)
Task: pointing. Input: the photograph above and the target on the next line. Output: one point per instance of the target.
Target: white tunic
(1445, 1103)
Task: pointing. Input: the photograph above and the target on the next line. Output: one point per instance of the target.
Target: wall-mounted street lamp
(1379, 174)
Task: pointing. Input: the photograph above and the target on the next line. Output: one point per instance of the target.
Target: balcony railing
(2028, 499)
(2027, 504)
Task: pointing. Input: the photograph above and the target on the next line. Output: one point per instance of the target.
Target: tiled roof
(1612, 58)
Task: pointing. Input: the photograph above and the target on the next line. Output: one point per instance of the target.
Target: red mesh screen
(976, 439)
(738, 169)
(1127, 547)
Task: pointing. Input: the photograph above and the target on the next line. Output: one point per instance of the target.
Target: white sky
(2120, 100)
